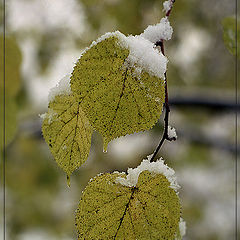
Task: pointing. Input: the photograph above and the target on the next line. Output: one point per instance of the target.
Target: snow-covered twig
(165, 135)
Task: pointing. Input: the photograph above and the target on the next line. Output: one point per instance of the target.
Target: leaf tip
(68, 181)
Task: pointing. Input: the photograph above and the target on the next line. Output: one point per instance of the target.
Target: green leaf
(109, 210)
(10, 120)
(12, 87)
(229, 34)
(116, 98)
(13, 60)
(67, 132)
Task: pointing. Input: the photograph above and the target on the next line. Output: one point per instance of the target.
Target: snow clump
(172, 132)
(144, 55)
(167, 5)
(182, 227)
(62, 88)
(158, 32)
(154, 167)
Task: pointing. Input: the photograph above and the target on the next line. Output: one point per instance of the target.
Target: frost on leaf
(110, 210)
(67, 132)
(120, 81)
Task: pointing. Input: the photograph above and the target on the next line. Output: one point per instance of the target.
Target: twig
(170, 9)
(165, 135)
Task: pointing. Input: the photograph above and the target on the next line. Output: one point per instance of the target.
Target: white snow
(182, 227)
(142, 53)
(157, 167)
(167, 5)
(49, 115)
(62, 88)
(43, 116)
(160, 31)
(172, 132)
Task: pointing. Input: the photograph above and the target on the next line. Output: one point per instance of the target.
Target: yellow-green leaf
(67, 132)
(12, 86)
(10, 120)
(231, 33)
(12, 66)
(117, 98)
(110, 210)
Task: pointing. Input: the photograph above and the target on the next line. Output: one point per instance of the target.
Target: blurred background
(44, 40)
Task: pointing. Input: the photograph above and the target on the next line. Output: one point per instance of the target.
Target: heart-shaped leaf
(67, 132)
(120, 82)
(149, 209)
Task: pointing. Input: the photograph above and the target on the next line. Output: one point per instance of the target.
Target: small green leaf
(109, 210)
(229, 34)
(67, 132)
(117, 99)
(13, 60)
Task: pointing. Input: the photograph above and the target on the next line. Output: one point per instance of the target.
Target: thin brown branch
(165, 135)
(169, 11)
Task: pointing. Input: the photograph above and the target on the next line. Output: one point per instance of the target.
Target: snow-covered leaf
(120, 82)
(148, 210)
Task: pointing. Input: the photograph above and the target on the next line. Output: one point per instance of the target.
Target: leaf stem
(170, 9)
(165, 135)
